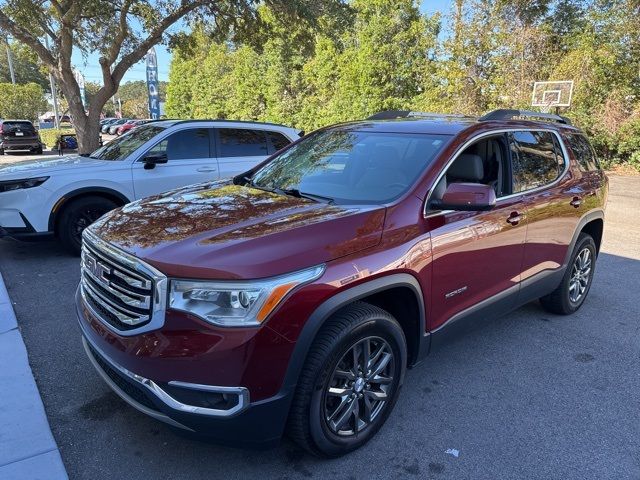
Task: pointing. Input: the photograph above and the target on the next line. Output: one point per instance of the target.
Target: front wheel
(575, 285)
(350, 381)
(77, 216)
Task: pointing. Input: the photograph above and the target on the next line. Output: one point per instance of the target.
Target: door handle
(576, 202)
(514, 218)
(206, 169)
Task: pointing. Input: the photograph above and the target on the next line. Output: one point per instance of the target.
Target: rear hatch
(18, 131)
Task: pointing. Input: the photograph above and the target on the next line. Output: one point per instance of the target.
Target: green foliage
(384, 54)
(24, 101)
(25, 66)
(135, 98)
(50, 136)
(308, 76)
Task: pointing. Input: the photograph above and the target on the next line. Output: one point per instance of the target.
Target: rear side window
(241, 142)
(278, 141)
(535, 159)
(583, 151)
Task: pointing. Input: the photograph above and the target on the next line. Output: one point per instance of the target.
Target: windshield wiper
(294, 192)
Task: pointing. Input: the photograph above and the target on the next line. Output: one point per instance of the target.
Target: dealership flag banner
(152, 84)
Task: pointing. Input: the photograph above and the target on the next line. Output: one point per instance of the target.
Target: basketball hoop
(552, 94)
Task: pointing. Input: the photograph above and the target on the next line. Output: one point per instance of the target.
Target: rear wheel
(350, 381)
(1, 151)
(77, 216)
(575, 285)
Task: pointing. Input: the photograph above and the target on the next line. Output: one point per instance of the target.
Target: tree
(25, 66)
(135, 100)
(22, 101)
(122, 31)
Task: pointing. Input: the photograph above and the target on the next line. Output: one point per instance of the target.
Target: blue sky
(92, 73)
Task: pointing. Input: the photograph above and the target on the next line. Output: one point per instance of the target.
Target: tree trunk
(86, 125)
(88, 132)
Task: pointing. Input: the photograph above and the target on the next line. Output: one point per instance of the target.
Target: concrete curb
(28, 450)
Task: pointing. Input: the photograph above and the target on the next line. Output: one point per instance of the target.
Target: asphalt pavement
(532, 395)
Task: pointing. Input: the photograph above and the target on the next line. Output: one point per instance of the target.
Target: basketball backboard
(552, 94)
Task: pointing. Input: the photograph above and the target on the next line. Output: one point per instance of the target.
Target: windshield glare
(122, 147)
(351, 166)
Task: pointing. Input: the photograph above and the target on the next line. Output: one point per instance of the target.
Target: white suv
(62, 196)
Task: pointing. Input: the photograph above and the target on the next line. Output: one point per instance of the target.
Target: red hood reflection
(227, 231)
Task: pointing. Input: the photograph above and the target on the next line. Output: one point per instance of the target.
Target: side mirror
(467, 197)
(150, 161)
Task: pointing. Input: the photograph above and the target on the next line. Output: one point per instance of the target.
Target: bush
(50, 136)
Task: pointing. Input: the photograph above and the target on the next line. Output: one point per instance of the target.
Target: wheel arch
(390, 291)
(64, 200)
(591, 223)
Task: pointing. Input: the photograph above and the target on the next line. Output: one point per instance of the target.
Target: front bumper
(259, 423)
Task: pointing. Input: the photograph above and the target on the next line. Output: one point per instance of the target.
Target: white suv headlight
(9, 185)
(236, 304)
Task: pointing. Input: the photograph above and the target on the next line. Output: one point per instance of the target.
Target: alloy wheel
(359, 387)
(85, 218)
(580, 275)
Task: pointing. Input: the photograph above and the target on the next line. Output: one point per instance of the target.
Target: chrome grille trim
(105, 303)
(125, 287)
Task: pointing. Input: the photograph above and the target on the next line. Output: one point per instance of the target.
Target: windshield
(122, 147)
(347, 166)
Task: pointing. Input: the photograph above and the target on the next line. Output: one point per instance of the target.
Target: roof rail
(223, 120)
(393, 114)
(507, 114)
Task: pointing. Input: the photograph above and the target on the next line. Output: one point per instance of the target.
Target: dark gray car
(19, 135)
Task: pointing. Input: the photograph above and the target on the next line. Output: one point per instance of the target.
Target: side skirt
(504, 302)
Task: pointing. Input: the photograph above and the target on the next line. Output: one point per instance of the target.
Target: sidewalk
(27, 447)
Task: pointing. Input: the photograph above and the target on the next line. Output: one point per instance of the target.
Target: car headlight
(8, 185)
(236, 304)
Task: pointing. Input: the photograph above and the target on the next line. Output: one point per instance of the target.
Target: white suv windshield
(346, 166)
(122, 147)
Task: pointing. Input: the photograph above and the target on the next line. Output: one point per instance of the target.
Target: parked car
(104, 128)
(130, 125)
(297, 293)
(19, 135)
(113, 127)
(61, 196)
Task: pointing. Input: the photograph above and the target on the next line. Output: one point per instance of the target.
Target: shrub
(50, 136)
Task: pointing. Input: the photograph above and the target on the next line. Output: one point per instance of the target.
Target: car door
(477, 256)
(240, 149)
(190, 160)
(540, 170)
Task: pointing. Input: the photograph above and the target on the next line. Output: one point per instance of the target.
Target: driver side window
(485, 162)
(192, 143)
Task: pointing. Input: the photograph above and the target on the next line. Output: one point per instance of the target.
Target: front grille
(121, 296)
(125, 385)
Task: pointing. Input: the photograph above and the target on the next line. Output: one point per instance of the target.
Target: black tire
(350, 328)
(1, 151)
(77, 215)
(562, 300)
(38, 150)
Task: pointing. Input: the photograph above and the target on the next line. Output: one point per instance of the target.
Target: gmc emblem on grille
(97, 269)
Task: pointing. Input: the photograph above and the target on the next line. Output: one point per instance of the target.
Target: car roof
(445, 124)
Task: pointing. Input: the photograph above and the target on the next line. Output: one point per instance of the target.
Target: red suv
(293, 297)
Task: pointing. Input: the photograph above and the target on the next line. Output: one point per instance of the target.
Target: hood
(31, 168)
(226, 231)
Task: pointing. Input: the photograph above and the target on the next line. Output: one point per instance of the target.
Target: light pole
(54, 97)
(10, 60)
